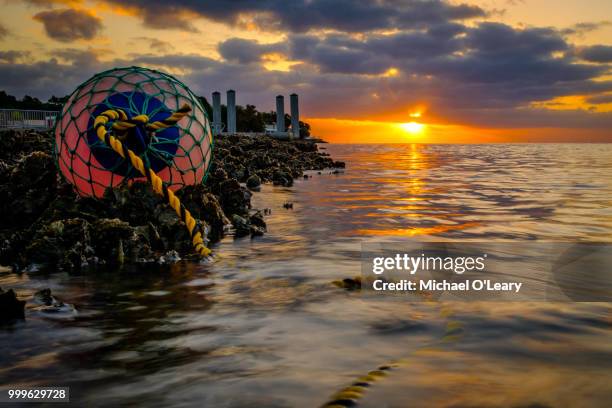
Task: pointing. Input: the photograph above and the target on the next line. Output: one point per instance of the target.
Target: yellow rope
(122, 123)
(349, 396)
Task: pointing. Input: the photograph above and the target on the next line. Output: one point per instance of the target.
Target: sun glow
(413, 128)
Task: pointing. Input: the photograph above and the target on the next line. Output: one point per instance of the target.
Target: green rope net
(180, 153)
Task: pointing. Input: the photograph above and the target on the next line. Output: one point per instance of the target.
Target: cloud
(247, 51)
(156, 44)
(67, 25)
(13, 56)
(585, 27)
(305, 15)
(597, 53)
(600, 99)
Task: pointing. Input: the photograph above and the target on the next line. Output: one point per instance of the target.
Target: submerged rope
(349, 396)
(123, 124)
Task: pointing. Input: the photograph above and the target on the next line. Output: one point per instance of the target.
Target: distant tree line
(248, 118)
(30, 102)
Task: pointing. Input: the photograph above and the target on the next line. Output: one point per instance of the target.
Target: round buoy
(179, 153)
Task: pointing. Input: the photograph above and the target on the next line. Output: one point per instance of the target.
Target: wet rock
(349, 283)
(254, 182)
(339, 164)
(63, 243)
(47, 303)
(283, 178)
(257, 219)
(169, 257)
(288, 206)
(11, 308)
(234, 198)
(241, 226)
(205, 206)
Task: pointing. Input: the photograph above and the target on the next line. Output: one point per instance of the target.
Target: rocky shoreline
(45, 224)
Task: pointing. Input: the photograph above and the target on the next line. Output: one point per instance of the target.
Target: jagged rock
(205, 206)
(282, 178)
(27, 189)
(11, 308)
(64, 243)
(257, 219)
(47, 303)
(254, 182)
(241, 226)
(234, 198)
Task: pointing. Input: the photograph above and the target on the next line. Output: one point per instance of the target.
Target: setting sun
(412, 127)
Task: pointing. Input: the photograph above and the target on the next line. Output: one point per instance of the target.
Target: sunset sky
(366, 71)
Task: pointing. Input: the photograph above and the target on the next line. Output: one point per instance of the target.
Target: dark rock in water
(11, 308)
(339, 164)
(349, 283)
(283, 178)
(241, 226)
(49, 304)
(257, 219)
(288, 206)
(254, 182)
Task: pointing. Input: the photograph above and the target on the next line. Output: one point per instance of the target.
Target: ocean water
(262, 326)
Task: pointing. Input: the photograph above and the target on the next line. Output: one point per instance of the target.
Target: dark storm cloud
(68, 25)
(303, 15)
(597, 53)
(247, 51)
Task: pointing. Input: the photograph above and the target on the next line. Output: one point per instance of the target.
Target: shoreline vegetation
(45, 224)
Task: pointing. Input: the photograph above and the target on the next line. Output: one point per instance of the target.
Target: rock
(234, 198)
(241, 226)
(27, 189)
(280, 177)
(349, 283)
(49, 304)
(169, 257)
(63, 243)
(254, 182)
(257, 219)
(11, 308)
(288, 206)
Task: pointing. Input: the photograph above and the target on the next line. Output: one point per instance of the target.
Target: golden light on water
(414, 128)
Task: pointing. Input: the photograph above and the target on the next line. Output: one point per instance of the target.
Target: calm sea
(263, 325)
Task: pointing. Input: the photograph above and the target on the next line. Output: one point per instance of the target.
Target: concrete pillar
(280, 113)
(231, 111)
(295, 115)
(217, 123)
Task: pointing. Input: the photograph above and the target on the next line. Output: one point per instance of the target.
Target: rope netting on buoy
(130, 124)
